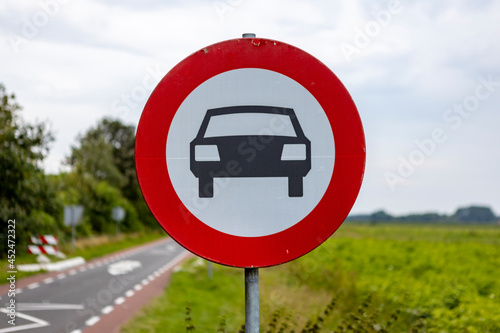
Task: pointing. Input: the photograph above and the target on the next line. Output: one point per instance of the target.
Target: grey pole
(73, 237)
(251, 300)
(251, 283)
(210, 270)
(73, 232)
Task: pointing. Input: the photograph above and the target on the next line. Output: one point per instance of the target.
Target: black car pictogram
(250, 141)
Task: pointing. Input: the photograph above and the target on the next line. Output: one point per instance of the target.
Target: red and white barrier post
(45, 244)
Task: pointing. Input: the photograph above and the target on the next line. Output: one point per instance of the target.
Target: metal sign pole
(251, 283)
(73, 223)
(251, 300)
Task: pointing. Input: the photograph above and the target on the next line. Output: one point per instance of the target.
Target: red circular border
(209, 243)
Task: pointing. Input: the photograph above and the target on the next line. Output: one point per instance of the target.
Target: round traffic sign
(250, 152)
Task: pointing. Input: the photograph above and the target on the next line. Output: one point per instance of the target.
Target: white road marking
(137, 287)
(48, 306)
(107, 309)
(119, 300)
(61, 276)
(92, 320)
(72, 272)
(34, 285)
(129, 293)
(48, 280)
(123, 267)
(36, 323)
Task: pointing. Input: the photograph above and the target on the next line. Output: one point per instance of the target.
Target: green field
(368, 278)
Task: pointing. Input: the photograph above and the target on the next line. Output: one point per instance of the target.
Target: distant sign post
(118, 214)
(72, 217)
(250, 153)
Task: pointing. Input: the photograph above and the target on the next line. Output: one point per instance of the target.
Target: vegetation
(463, 215)
(102, 175)
(25, 192)
(367, 278)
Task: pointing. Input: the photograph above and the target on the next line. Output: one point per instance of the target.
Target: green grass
(89, 248)
(90, 251)
(431, 278)
(208, 299)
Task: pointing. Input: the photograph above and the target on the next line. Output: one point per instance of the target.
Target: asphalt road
(78, 298)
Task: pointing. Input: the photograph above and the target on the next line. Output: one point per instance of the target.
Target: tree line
(463, 215)
(101, 175)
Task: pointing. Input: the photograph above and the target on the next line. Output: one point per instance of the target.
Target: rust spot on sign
(256, 41)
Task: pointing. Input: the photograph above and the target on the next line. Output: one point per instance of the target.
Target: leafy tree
(94, 157)
(380, 216)
(106, 153)
(475, 214)
(25, 193)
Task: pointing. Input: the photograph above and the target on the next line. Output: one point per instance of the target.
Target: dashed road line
(33, 285)
(119, 300)
(48, 280)
(92, 321)
(129, 293)
(107, 309)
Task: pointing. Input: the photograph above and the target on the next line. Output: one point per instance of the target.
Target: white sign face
(118, 213)
(248, 187)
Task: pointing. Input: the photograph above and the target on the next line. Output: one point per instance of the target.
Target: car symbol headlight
(293, 152)
(206, 153)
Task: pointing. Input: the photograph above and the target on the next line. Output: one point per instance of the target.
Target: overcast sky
(425, 76)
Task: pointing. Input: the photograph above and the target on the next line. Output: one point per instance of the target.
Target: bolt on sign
(250, 152)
